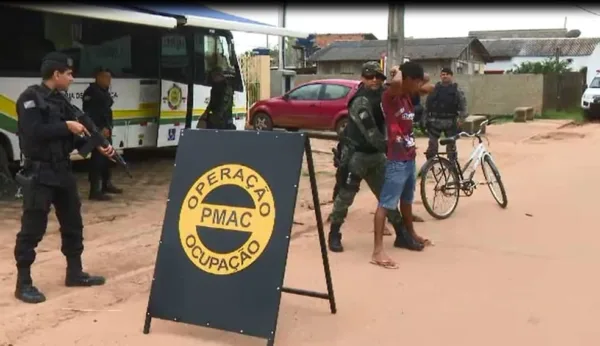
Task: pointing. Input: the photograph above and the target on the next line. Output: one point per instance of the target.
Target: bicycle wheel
(491, 171)
(438, 173)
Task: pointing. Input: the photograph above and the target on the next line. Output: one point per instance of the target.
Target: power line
(588, 11)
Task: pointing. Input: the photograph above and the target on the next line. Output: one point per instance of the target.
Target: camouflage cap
(227, 72)
(372, 68)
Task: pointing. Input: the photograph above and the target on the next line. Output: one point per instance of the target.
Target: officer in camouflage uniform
(445, 109)
(362, 156)
(219, 112)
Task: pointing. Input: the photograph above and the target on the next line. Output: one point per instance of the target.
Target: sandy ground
(521, 276)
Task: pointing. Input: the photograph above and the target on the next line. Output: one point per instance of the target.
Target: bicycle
(450, 178)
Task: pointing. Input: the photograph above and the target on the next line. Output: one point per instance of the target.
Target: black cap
(60, 60)
(447, 70)
(372, 68)
(55, 61)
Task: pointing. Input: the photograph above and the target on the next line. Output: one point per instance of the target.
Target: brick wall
(486, 94)
(324, 40)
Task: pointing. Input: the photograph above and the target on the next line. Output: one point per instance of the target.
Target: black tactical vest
(53, 110)
(352, 131)
(443, 101)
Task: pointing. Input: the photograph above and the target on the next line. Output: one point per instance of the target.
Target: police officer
(47, 135)
(445, 109)
(219, 112)
(362, 156)
(97, 103)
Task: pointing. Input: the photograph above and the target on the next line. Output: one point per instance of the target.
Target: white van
(592, 91)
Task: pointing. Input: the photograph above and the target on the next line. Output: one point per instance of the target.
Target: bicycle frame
(473, 162)
(475, 159)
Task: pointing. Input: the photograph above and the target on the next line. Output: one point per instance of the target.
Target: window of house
(307, 92)
(334, 92)
(346, 68)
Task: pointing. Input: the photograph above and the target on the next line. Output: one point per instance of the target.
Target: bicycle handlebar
(476, 134)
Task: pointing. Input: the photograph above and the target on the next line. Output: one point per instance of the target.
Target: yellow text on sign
(258, 221)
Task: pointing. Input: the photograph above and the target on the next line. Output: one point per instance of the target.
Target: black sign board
(226, 231)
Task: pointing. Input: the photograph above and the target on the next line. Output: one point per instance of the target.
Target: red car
(317, 105)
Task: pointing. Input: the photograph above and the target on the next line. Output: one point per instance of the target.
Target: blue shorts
(399, 184)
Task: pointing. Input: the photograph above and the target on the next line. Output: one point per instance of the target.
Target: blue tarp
(196, 10)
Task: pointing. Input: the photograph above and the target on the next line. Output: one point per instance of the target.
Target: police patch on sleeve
(29, 104)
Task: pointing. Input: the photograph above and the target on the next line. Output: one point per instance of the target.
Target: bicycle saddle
(446, 141)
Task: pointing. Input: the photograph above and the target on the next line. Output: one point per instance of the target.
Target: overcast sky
(420, 22)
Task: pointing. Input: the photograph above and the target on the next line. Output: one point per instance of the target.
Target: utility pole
(395, 44)
(281, 23)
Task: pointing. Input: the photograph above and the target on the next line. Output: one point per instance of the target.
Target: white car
(591, 92)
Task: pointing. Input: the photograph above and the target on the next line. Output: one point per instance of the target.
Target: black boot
(83, 279)
(108, 187)
(335, 239)
(25, 290)
(96, 193)
(405, 240)
(76, 277)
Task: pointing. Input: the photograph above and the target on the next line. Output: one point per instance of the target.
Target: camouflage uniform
(362, 157)
(443, 118)
(220, 107)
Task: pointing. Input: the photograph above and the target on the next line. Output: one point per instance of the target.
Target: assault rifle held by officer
(95, 137)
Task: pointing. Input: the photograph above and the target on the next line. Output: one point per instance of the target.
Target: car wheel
(262, 122)
(341, 125)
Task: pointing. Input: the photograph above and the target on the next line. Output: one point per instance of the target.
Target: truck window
(595, 83)
(174, 59)
(212, 50)
(128, 50)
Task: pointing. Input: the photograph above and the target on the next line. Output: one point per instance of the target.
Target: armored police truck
(160, 59)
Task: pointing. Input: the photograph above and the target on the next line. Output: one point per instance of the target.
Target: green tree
(550, 65)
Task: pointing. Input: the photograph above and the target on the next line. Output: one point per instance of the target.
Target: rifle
(96, 138)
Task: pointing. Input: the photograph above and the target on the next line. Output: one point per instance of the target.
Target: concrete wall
(486, 94)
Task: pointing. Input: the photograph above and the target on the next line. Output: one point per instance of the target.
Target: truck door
(175, 73)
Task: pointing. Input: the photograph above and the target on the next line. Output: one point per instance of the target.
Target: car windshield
(595, 83)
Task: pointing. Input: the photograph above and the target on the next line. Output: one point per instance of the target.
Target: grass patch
(574, 114)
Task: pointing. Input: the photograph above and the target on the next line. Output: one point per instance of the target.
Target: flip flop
(428, 242)
(385, 264)
(417, 218)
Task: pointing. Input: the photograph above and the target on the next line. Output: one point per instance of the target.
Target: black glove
(336, 157)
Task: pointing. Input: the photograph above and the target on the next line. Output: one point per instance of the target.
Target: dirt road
(522, 276)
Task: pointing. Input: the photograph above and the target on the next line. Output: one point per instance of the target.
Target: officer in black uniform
(219, 112)
(97, 103)
(445, 110)
(47, 136)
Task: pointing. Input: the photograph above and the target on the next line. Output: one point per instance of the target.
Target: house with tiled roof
(510, 48)
(463, 54)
